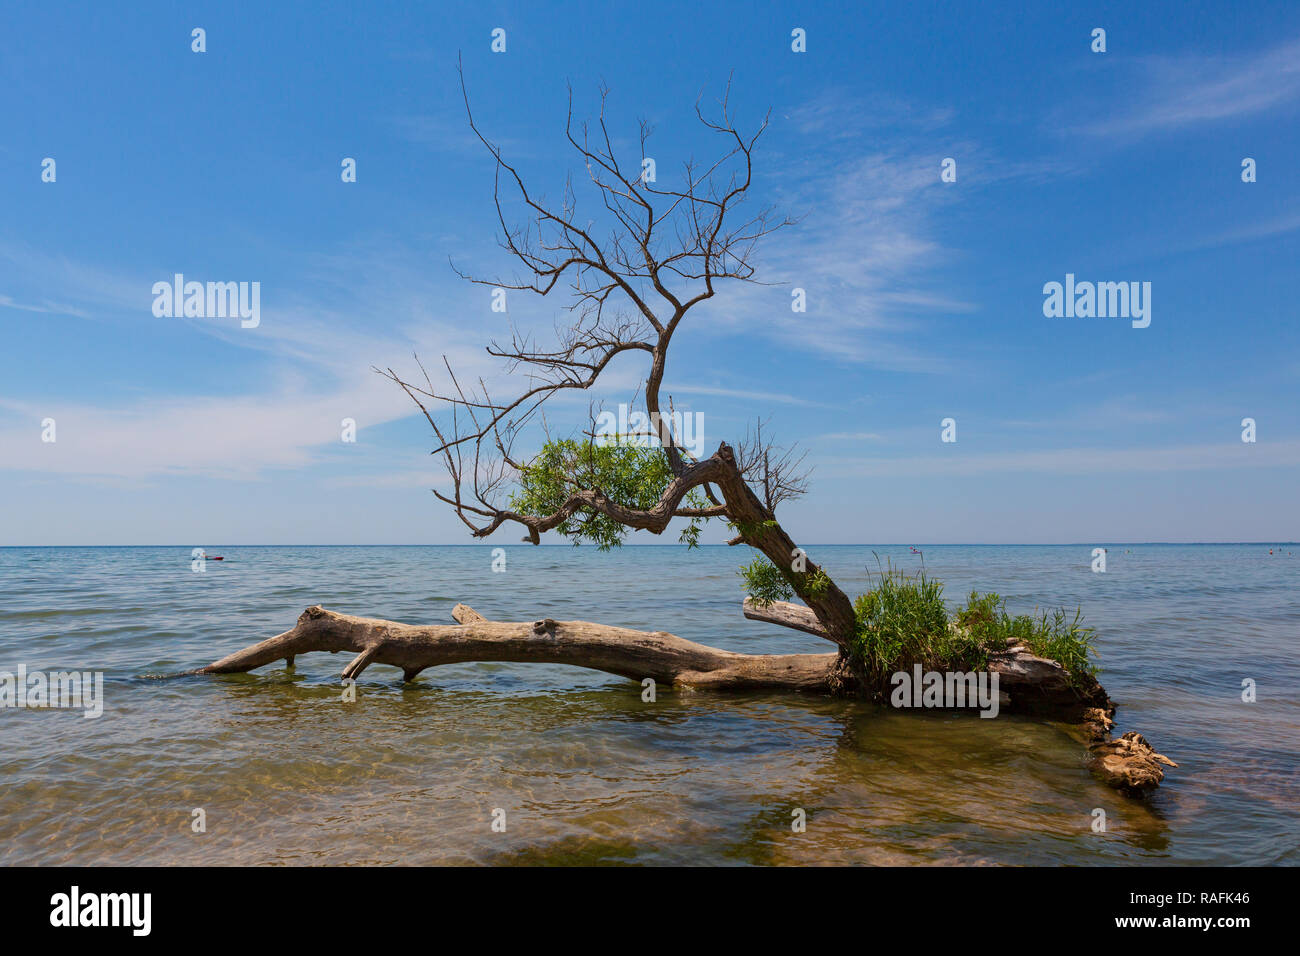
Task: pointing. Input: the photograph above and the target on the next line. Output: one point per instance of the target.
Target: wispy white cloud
(1178, 92)
(85, 289)
(1117, 412)
(1073, 461)
(1269, 228)
(825, 115)
(861, 254)
(400, 478)
(324, 329)
(205, 436)
(865, 249)
(319, 344)
(44, 307)
(849, 436)
(776, 397)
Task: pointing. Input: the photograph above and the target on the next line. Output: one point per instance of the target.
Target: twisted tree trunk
(759, 529)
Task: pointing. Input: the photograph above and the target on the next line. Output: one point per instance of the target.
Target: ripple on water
(588, 772)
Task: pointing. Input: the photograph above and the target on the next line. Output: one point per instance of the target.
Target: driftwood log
(1029, 684)
(659, 655)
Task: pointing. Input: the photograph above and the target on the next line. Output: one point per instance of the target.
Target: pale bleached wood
(628, 653)
(464, 614)
(785, 614)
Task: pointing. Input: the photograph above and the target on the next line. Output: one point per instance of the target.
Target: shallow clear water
(587, 772)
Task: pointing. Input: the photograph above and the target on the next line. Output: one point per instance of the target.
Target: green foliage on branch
(748, 529)
(817, 583)
(630, 475)
(765, 582)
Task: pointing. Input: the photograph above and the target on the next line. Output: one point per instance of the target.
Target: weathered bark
(784, 613)
(759, 529)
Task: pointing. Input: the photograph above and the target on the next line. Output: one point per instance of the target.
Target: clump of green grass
(980, 614)
(903, 621)
(1054, 635)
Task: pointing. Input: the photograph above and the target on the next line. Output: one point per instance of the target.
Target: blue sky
(925, 298)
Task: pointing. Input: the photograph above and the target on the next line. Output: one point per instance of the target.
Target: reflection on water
(587, 772)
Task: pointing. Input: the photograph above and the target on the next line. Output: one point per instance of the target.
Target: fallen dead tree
(1030, 684)
(658, 655)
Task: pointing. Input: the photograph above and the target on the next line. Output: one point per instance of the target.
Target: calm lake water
(584, 769)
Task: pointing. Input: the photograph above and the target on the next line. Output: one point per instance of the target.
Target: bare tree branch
(666, 250)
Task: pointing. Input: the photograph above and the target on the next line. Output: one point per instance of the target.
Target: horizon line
(886, 544)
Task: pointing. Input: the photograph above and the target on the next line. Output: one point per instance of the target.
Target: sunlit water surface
(587, 772)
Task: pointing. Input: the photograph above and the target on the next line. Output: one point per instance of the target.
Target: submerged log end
(1037, 685)
(1098, 722)
(1129, 764)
